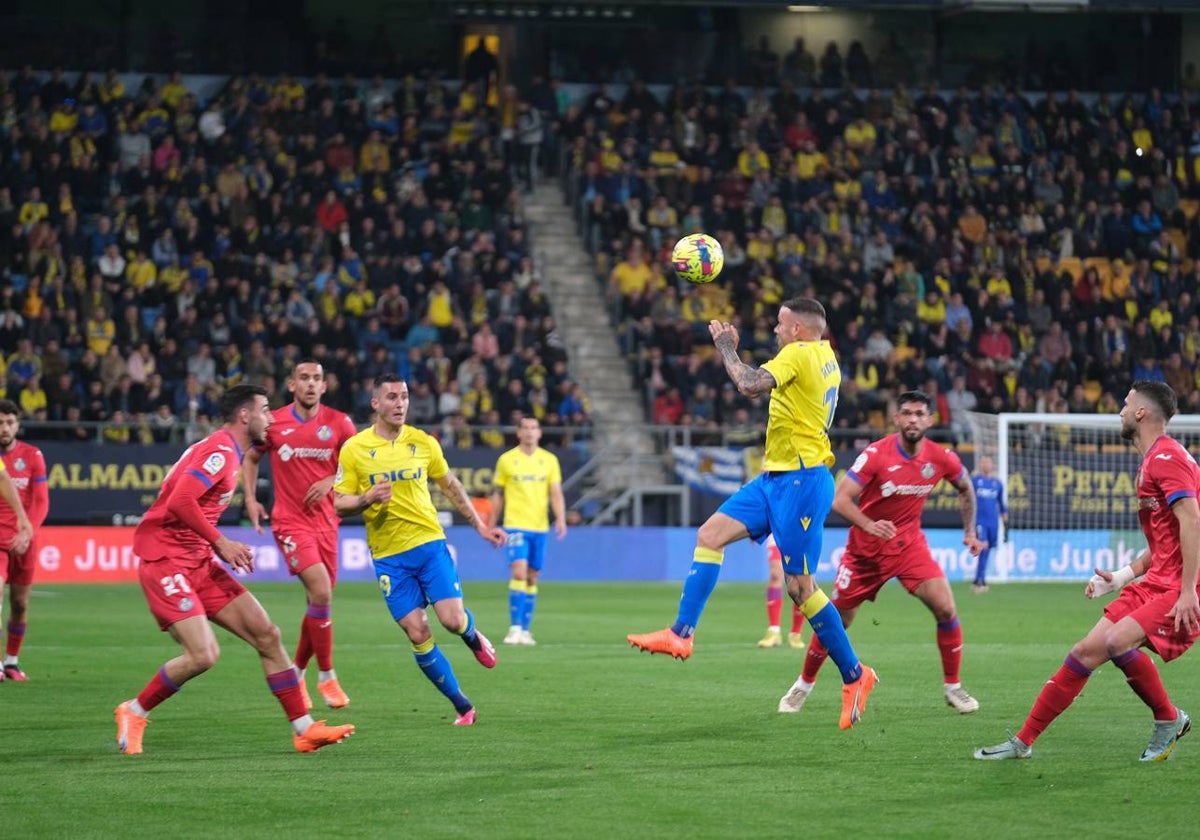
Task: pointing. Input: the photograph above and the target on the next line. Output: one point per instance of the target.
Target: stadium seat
(1189, 206)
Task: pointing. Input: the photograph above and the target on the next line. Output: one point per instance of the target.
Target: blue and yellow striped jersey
(525, 480)
(807, 378)
(409, 518)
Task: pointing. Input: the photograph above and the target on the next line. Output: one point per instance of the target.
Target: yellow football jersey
(525, 480)
(409, 518)
(807, 377)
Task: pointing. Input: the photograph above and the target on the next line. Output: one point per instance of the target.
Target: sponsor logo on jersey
(805, 521)
(316, 453)
(407, 474)
(891, 488)
(286, 432)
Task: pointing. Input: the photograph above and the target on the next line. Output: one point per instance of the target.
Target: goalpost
(1069, 483)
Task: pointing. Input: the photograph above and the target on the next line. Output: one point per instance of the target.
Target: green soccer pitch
(582, 736)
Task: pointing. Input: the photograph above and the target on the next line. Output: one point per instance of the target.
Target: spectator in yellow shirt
(33, 397)
(359, 301)
(859, 135)
(64, 118)
(931, 311)
(374, 155)
(99, 331)
(173, 91)
(141, 273)
(631, 274)
(752, 160)
(34, 210)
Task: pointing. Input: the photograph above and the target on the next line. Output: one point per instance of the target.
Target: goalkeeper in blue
(991, 511)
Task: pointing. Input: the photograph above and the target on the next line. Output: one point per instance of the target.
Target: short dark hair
(915, 397)
(10, 407)
(236, 398)
(1159, 393)
(386, 378)
(805, 306)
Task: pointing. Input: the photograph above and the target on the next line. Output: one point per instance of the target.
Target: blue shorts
(422, 575)
(791, 505)
(529, 546)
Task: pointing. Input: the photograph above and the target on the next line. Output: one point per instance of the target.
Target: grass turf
(582, 736)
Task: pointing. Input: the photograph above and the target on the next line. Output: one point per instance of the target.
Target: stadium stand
(1040, 253)
(156, 248)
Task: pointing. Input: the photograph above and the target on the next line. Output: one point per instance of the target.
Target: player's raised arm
(457, 494)
(845, 505)
(750, 381)
(255, 511)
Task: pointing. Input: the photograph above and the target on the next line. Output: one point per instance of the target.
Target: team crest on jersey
(927, 470)
(19, 464)
(215, 463)
(185, 604)
(324, 433)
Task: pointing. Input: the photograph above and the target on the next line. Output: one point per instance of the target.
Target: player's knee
(204, 658)
(709, 536)
(267, 638)
(531, 578)
(453, 620)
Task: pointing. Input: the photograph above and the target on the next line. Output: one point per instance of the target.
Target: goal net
(1069, 483)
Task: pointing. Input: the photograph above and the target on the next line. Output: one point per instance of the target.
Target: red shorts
(861, 579)
(303, 547)
(1148, 606)
(18, 569)
(176, 591)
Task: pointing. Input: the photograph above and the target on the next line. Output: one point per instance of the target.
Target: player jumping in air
(790, 498)
(384, 474)
(303, 441)
(1161, 611)
(26, 468)
(186, 588)
(882, 497)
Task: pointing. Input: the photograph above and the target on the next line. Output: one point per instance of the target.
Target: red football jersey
(894, 487)
(1168, 473)
(215, 463)
(302, 453)
(27, 468)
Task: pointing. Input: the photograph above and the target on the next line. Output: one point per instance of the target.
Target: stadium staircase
(625, 465)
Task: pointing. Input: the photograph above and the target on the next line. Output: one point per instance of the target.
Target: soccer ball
(697, 258)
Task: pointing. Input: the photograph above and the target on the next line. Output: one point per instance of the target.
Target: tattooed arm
(966, 506)
(750, 381)
(457, 494)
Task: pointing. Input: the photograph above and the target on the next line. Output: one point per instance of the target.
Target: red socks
(1143, 678)
(1055, 696)
(285, 685)
(814, 659)
(774, 605)
(16, 635)
(949, 642)
(797, 618)
(160, 688)
(316, 637)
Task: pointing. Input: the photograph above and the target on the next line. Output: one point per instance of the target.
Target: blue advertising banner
(96, 555)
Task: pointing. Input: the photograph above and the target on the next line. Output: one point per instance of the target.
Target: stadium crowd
(156, 249)
(1001, 253)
